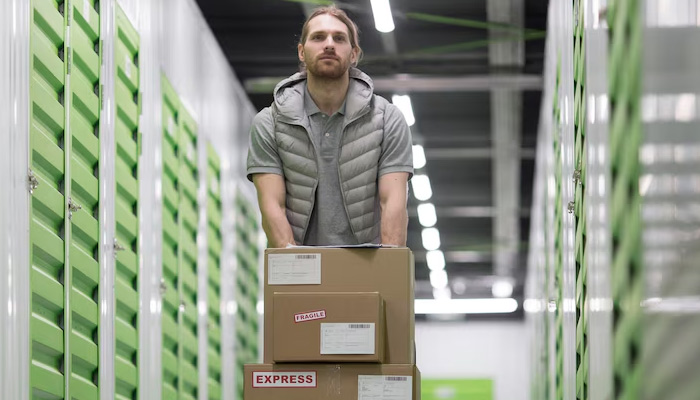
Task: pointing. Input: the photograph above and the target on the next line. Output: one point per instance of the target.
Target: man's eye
(339, 38)
(316, 37)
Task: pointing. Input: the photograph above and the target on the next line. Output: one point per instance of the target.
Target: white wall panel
(473, 350)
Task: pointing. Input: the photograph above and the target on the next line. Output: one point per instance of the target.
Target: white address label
(294, 269)
(346, 338)
(384, 387)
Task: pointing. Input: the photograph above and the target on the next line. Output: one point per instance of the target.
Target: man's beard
(334, 71)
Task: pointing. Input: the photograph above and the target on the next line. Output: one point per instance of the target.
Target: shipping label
(347, 338)
(384, 387)
(309, 316)
(286, 379)
(294, 269)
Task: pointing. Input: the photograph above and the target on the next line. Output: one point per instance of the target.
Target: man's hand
(271, 198)
(393, 197)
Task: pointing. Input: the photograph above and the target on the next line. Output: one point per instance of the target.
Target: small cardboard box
(388, 271)
(328, 327)
(331, 381)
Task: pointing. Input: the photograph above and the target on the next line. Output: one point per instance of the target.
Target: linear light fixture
(418, 156)
(403, 102)
(421, 187)
(502, 288)
(431, 238)
(465, 306)
(438, 279)
(426, 215)
(435, 260)
(383, 20)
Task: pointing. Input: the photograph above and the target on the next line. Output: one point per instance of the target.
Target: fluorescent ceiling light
(426, 215)
(418, 156)
(533, 305)
(435, 260)
(442, 294)
(465, 306)
(438, 279)
(403, 102)
(421, 187)
(383, 20)
(502, 288)
(431, 238)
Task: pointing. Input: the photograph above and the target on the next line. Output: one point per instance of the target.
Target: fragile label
(310, 316)
(346, 338)
(294, 269)
(127, 66)
(288, 379)
(384, 387)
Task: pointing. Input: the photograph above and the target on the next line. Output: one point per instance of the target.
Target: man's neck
(328, 94)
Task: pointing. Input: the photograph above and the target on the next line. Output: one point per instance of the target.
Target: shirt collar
(310, 105)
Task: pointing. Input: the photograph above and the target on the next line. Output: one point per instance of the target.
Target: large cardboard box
(331, 382)
(388, 271)
(328, 327)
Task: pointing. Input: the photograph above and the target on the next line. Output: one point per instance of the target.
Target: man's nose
(330, 44)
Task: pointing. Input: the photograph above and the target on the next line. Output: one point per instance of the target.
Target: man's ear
(353, 56)
(300, 51)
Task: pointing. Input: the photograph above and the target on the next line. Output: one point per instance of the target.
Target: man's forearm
(394, 223)
(277, 228)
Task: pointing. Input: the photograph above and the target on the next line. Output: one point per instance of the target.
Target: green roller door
(171, 242)
(558, 245)
(64, 232)
(580, 161)
(180, 216)
(625, 138)
(247, 284)
(214, 241)
(189, 377)
(127, 140)
(47, 228)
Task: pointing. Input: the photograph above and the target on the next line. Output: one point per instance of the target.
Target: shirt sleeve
(263, 157)
(397, 147)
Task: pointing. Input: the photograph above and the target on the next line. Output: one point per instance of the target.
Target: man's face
(327, 51)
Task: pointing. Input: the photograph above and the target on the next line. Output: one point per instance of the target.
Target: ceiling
(476, 98)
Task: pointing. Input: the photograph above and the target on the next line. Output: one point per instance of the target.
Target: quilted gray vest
(358, 163)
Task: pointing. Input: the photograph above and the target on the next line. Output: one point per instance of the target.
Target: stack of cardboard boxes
(339, 324)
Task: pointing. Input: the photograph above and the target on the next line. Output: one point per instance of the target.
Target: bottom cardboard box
(331, 382)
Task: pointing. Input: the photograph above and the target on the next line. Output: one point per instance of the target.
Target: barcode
(359, 326)
(396, 378)
(306, 256)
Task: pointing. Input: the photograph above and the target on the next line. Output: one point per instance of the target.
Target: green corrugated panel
(214, 272)
(171, 244)
(127, 139)
(558, 250)
(187, 178)
(579, 210)
(84, 171)
(625, 137)
(47, 227)
(246, 288)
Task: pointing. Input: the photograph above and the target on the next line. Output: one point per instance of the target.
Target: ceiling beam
(506, 120)
(409, 83)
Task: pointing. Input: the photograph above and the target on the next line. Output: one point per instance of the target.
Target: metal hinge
(117, 247)
(577, 177)
(182, 307)
(571, 207)
(163, 287)
(73, 207)
(32, 182)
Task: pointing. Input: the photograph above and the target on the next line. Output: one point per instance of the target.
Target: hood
(289, 95)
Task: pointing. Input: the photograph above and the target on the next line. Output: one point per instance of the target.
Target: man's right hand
(272, 199)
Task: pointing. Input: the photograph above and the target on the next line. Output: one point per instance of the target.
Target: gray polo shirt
(329, 222)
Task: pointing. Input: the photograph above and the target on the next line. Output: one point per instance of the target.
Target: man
(329, 159)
